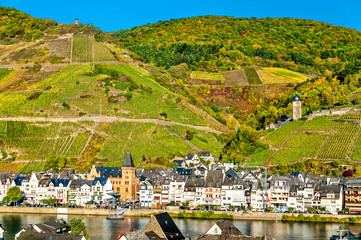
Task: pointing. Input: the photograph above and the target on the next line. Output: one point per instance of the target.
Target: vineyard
(86, 49)
(82, 49)
(41, 140)
(252, 76)
(101, 53)
(341, 141)
(207, 75)
(4, 72)
(352, 115)
(279, 75)
(322, 138)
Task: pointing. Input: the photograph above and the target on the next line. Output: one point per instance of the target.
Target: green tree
(13, 194)
(55, 163)
(201, 206)
(185, 204)
(78, 227)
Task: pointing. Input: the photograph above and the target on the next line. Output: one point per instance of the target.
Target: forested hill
(18, 26)
(222, 43)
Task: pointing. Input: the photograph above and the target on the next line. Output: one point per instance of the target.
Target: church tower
(297, 107)
(130, 182)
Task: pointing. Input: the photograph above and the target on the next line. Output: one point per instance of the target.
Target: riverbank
(250, 216)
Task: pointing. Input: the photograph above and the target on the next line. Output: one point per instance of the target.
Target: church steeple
(128, 162)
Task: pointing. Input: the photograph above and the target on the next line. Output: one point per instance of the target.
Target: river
(100, 228)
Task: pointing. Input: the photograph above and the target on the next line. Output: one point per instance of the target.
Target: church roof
(128, 162)
(296, 98)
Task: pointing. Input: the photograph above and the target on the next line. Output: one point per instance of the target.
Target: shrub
(189, 135)
(34, 95)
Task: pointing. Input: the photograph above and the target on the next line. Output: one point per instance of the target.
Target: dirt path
(108, 119)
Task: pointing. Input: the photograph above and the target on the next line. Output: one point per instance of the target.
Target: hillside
(74, 97)
(325, 138)
(17, 26)
(224, 43)
(67, 93)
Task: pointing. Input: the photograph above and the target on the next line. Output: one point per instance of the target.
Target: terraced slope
(321, 138)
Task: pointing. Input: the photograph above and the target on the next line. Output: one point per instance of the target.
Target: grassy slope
(38, 141)
(71, 83)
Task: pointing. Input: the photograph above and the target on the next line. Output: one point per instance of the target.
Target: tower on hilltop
(297, 107)
(76, 21)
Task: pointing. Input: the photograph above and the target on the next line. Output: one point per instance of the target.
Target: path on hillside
(50, 65)
(108, 119)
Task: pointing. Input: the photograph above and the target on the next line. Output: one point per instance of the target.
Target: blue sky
(115, 15)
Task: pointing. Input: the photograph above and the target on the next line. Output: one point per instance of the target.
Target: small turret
(297, 107)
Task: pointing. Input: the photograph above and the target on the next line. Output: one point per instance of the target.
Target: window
(118, 189)
(126, 182)
(126, 190)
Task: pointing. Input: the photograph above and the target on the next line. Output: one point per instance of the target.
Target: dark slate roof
(205, 154)
(231, 173)
(102, 181)
(57, 182)
(110, 172)
(77, 183)
(19, 180)
(44, 182)
(228, 228)
(168, 226)
(234, 181)
(296, 98)
(184, 171)
(128, 162)
(214, 178)
(47, 236)
(189, 156)
(193, 182)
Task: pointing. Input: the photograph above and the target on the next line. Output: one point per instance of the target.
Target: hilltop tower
(297, 107)
(76, 21)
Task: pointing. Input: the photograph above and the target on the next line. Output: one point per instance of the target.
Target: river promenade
(257, 216)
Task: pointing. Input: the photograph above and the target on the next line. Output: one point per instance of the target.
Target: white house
(332, 198)
(29, 187)
(176, 189)
(146, 194)
(233, 193)
(192, 158)
(207, 156)
(100, 188)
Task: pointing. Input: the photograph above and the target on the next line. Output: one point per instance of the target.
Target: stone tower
(297, 107)
(76, 21)
(130, 182)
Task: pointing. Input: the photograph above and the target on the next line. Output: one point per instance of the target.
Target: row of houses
(216, 186)
(241, 190)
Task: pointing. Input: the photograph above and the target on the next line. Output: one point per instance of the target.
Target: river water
(100, 228)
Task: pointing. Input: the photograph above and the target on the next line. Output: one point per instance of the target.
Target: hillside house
(192, 158)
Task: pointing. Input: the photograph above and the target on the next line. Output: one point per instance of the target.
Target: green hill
(225, 43)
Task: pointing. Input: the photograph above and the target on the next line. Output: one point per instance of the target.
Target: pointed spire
(128, 162)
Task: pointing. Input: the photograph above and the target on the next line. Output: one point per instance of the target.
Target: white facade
(101, 189)
(192, 159)
(146, 194)
(176, 190)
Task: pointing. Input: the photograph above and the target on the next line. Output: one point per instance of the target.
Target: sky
(119, 14)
